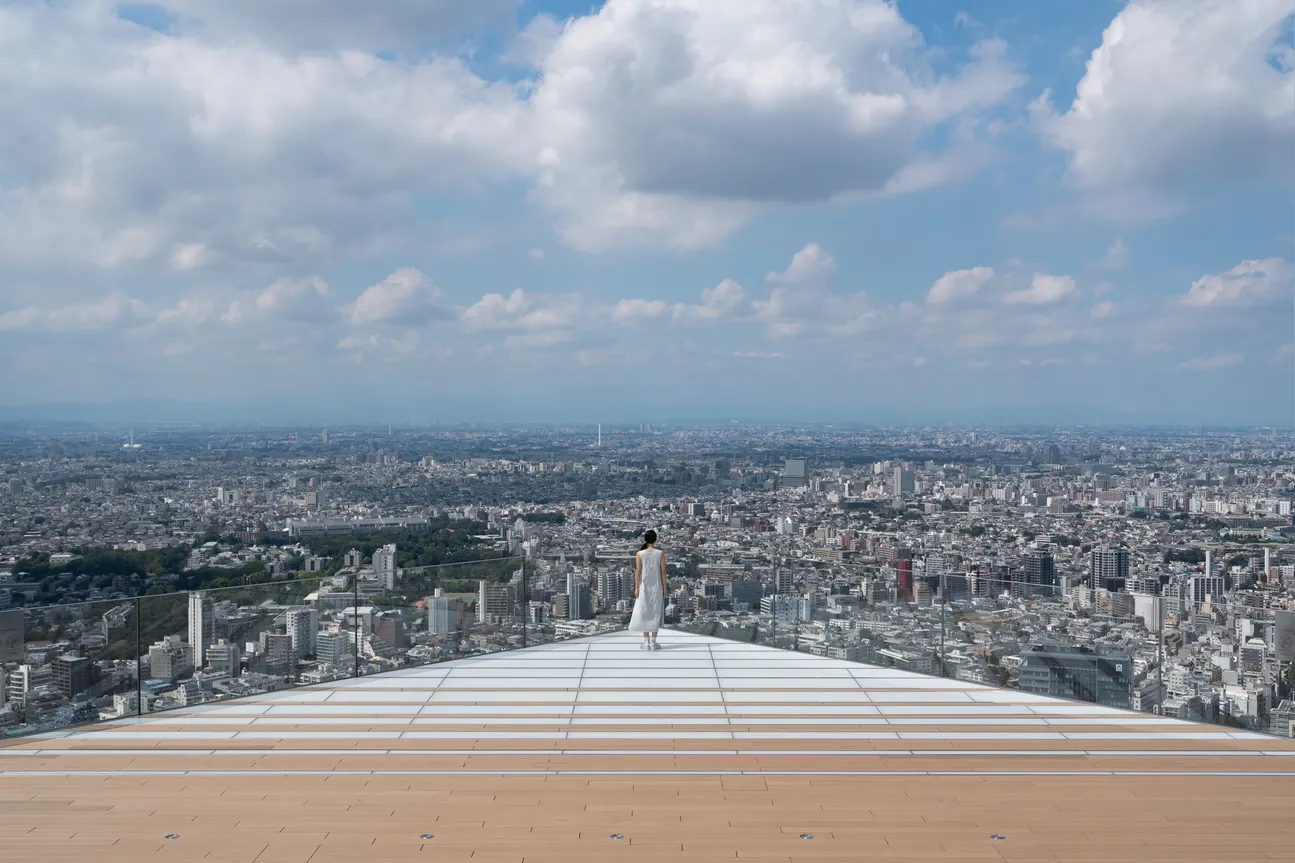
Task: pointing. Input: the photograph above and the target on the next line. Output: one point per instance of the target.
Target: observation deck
(592, 749)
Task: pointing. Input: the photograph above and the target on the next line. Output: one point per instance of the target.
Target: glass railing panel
(745, 628)
(230, 642)
(420, 615)
(989, 625)
(1241, 686)
(67, 665)
(566, 601)
(1072, 642)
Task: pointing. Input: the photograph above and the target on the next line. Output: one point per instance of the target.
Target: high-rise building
(276, 648)
(303, 628)
(202, 626)
(334, 648)
(783, 608)
(902, 482)
(72, 674)
(494, 602)
(384, 564)
(904, 569)
(748, 592)
(224, 657)
(24, 679)
(1109, 568)
(170, 658)
(795, 473)
(784, 581)
(389, 628)
(613, 586)
(445, 614)
(353, 559)
(1204, 588)
(579, 601)
(1037, 576)
(1065, 671)
(560, 606)
(934, 571)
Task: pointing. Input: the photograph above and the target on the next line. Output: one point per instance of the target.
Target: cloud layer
(283, 192)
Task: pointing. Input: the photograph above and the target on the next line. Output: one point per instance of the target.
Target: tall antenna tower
(600, 435)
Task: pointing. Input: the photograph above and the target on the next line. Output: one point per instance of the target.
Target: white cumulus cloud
(958, 284)
(406, 297)
(286, 299)
(1181, 92)
(1249, 283)
(1043, 290)
(675, 120)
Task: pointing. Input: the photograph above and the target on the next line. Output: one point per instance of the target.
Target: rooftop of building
(592, 749)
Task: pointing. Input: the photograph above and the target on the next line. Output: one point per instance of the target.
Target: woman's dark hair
(649, 537)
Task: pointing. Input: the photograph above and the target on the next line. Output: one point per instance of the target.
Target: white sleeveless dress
(649, 608)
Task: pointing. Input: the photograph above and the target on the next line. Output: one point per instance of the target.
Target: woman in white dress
(649, 591)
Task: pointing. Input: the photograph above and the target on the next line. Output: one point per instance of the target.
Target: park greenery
(162, 570)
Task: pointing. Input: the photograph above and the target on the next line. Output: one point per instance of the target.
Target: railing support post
(944, 599)
(139, 661)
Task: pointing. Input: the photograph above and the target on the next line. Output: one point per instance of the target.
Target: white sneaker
(646, 645)
(656, 646)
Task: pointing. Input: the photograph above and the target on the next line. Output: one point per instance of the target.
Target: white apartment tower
(202, 626)
(494, 602)
(443, 613)
(303, 628)
(384, 563)
(615, 585)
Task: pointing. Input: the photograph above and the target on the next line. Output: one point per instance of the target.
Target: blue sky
(832, 210)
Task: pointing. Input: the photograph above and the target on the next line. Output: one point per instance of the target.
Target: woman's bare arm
(663, 583)
(638, 573)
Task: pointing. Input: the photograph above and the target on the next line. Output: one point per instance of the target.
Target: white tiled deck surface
(707, 749)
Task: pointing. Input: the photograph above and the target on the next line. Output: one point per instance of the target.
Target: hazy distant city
(157, 567)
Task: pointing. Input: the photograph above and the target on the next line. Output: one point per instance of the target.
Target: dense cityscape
(152, 568)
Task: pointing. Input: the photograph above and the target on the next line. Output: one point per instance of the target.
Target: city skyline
(540, 210)
(1142, 570)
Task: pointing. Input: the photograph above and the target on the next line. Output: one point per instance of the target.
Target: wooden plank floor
(707, 750)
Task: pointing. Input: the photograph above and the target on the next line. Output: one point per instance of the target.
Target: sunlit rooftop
(592, 749)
